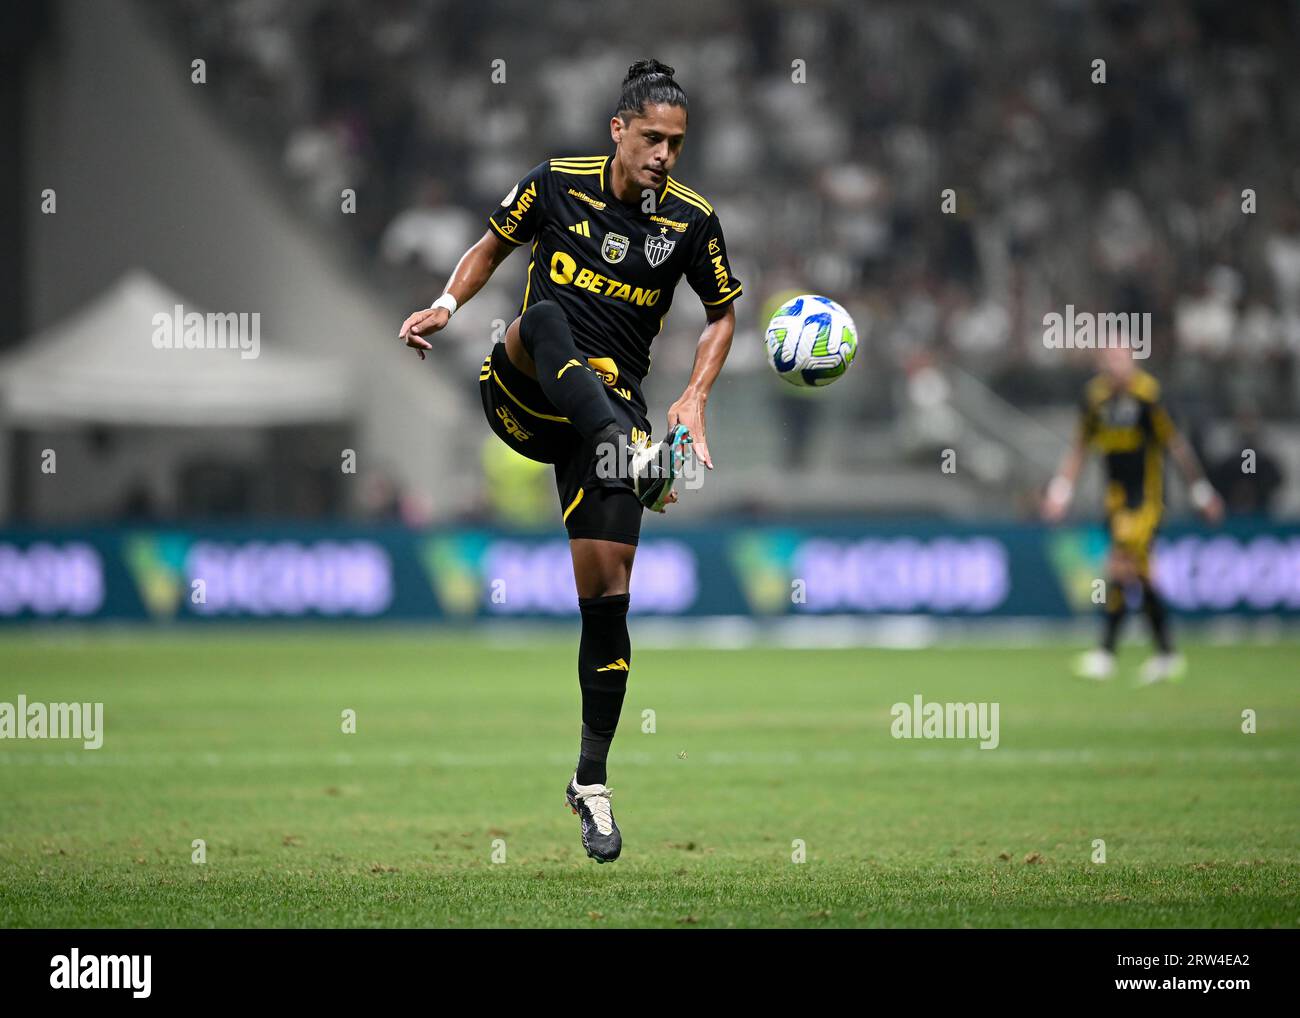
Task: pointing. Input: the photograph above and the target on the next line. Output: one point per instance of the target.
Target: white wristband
(1202, 493)
(1060, 489)
(445, 301)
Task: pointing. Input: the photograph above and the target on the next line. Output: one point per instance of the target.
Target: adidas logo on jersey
(583, 228)
(615, 666)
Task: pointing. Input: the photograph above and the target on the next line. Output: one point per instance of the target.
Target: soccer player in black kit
(609, 238)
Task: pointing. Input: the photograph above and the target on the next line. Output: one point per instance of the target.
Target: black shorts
(521, 416)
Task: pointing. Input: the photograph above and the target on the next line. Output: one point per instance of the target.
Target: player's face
(1117, 362)
(648, 146)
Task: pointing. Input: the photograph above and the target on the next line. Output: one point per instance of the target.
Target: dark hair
(648, 81)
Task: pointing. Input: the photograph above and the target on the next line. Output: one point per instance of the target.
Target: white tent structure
(103, 370)
(101, 366)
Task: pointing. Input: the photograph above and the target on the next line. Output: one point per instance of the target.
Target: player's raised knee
(536, 320)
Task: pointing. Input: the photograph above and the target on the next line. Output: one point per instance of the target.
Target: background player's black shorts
(522, 417)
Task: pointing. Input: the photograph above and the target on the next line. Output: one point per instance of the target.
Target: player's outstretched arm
(1204, 497)
(1060, 490)
(472, 272)
(710, 355)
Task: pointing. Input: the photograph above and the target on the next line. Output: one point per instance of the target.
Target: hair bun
(643, 67)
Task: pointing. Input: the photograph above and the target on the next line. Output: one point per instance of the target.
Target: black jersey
(612, 267)
(1129, 426)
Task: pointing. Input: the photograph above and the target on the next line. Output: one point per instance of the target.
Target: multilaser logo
(679, 227)
(588, 199)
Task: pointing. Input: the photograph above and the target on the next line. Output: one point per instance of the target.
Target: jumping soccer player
(611, 237)
(1124, 420)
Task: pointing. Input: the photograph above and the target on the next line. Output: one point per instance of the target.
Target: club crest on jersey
(614, 248)
(657, 250)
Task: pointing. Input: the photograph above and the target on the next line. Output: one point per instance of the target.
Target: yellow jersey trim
(529, 284)
(585, 166)
(687, 195)
(582, 166)
(504, 236)
(714, 303)
(572, 505)
(689, 201)
(546, 417)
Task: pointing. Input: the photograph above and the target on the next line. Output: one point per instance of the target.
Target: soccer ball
(811, 341)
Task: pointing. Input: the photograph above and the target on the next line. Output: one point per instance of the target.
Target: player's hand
(689, 410)
(423, 323)
(1213, 511)
(1054, 508)
(1056, 502)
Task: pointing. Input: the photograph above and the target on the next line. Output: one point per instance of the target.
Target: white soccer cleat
(656, 468)
(1162, 668)
(600, 835)
(1098, 665)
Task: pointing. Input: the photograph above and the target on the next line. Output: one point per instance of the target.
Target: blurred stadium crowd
(1119, 196)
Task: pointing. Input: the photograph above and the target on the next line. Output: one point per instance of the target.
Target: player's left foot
(1097, 664)
(600, 835)
(656, 468)
(1162, 668)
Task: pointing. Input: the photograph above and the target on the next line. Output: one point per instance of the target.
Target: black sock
(1154, 606)
(604, 657)
(564, 374)
(1116, 607)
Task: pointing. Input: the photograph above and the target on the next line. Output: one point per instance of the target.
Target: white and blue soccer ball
(811, 341)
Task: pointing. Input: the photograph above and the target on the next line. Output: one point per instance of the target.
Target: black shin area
(1116, 608)
(1154, 606)
(563, 373)
(604, 657)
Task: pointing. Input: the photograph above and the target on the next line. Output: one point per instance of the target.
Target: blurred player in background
(611, 237)
(1124, 420)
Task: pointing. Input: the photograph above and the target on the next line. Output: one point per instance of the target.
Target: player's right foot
(1097, 664)
(600, 835)
(656, 468)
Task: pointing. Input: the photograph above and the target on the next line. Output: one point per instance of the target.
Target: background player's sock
(604, 657)
(563, 373)
(1115, 611)
(1154, 606)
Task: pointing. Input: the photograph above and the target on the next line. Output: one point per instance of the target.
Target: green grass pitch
(463, 744)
